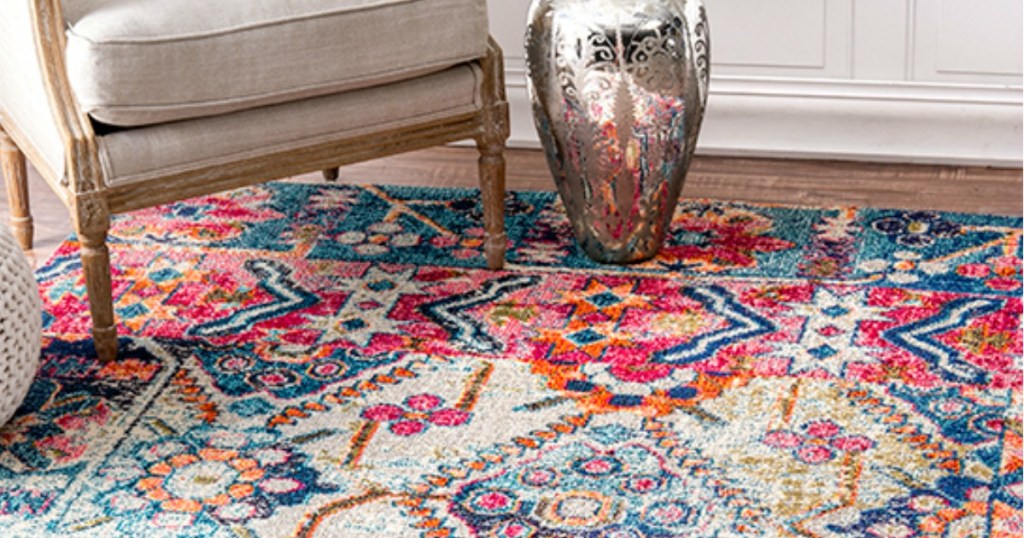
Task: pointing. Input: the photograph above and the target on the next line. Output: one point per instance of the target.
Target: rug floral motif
(335, 361)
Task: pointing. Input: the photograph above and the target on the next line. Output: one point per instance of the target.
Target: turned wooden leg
(12, 161)
(491, 144)
(492, 187)
(96, 264)
(331, 174)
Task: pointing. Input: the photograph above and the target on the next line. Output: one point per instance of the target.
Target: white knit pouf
(20, 325)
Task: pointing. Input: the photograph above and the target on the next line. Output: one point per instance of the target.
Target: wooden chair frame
(91, 201)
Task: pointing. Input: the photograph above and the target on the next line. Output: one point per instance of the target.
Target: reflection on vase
(618, 89)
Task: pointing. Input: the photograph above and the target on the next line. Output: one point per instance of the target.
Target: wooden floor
(941, 188)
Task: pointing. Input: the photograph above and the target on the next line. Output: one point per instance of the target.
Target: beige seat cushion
(142, 62)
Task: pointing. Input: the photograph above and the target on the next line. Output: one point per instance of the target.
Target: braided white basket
(20, 325)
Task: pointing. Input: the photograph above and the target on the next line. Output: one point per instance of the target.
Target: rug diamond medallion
(303, 360)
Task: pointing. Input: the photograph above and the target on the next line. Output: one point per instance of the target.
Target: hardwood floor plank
(777, 181)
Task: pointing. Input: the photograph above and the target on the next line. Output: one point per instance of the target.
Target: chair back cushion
(143, 62)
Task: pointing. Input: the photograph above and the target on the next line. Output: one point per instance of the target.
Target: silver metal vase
(618, 89)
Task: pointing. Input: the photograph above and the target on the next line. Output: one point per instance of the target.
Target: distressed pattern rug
(334, 361)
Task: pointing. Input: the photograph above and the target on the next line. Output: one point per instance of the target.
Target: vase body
(618, 89)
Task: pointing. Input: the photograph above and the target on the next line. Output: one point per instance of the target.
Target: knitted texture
(20, 325)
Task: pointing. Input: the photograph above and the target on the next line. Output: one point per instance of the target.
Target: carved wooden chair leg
(331, 174)
(12, 160)
(491, 144)
(96, 265)
(492, 188)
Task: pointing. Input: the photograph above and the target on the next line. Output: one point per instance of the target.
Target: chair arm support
(495, 99)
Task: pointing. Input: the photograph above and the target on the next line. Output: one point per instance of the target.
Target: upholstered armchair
(124, 104)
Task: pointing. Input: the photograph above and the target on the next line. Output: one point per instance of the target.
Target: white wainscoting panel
(968, 42)
(800, 38)
(760, 34)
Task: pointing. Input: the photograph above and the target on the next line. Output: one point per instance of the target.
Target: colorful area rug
(334, 361)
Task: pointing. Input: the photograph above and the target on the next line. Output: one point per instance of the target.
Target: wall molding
(892, 121)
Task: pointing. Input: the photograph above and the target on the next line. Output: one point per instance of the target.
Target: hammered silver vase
(618, 89)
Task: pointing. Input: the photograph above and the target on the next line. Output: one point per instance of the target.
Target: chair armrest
(83, 173)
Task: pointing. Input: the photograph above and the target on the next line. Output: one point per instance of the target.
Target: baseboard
(847, 120)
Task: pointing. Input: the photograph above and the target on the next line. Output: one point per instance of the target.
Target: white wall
(889, 80)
